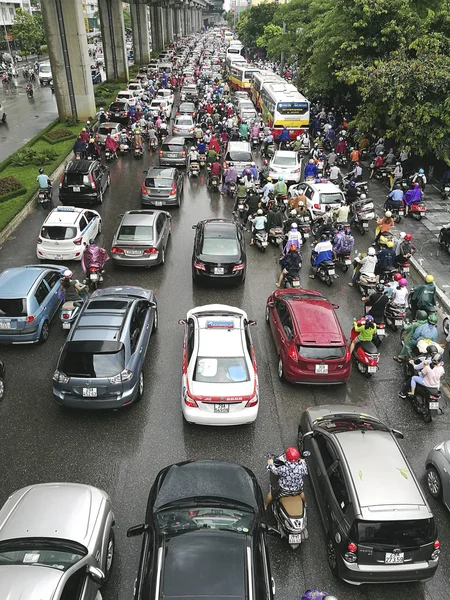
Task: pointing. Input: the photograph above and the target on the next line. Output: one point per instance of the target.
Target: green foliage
(72, 120)
(229, 18)
(45, 156)
(23, 157)
(27, 30)
(252, 22)
(57, 135)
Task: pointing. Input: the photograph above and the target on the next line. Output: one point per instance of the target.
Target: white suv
(319, 195)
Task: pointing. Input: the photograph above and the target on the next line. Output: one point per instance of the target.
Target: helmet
(432, 318)
(88, 123)
(352, 183)
(91, 140)
(102, 110)
(431, 349)
(381, 154)
(323, 238)
(260, 212)
(388, 214)
(369, 319)
(348, 232)
(403, 282)
(67, 274)
(397, 277)
(281, 178)
(379, 287)
(292, 247)
(398, 186)
(294, 226)
(292, 454)
(429, 278)
(371, 251)
(298, 138)
(398, 163)
(91, 241)
(247, 172)
(363, 196)
(327, 208)
(253, 164)
(266, 162)
(416, 184)
(293, 212)
(327, 597)
(421, 315)
(269, 179)
(231, 164)
(421, 171)
(311, 161)
(192, 147)
(41, 170)
(84, 129)
(108, 135)
(275, 208)
(390, 244)
(408, 237)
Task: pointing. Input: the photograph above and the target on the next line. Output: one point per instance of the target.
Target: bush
(58, 135)
(9, 184)
(43, 49)
(23, 157)
(72, 120)
(46, 156)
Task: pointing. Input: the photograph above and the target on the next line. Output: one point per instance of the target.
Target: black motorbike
(425, 400)
(444, 238)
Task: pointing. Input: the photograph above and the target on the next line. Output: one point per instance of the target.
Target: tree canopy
(28, 30)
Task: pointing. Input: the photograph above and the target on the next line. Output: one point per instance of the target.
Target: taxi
(219, 374)
(66, 232)
(319, 193)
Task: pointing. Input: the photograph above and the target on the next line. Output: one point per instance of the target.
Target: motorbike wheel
(294, 546)
(417, 216)
(427, 417)
(397, 219)
(361, 230)
(329, 282)
(344, 268)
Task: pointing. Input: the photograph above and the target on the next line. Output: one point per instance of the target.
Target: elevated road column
(69, 58)
(168, 19)
(141, 38)
(155, 23)
(113, 36)
(176, 22)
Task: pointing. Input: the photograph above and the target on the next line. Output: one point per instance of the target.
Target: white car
(166, 95)
(319, 195)
(129, 96)
(219, 380)
(66, 233)
(286, 163)
(136, 87)
(157, 104)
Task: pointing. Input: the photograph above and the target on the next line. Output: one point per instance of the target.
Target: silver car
(183, 126)
(101, 130)
(56, 542)
(141, 238)
(438, 472)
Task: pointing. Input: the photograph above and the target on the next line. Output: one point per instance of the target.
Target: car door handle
(282, 339)
(140, 350)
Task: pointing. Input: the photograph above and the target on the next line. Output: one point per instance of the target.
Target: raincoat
(93, 256)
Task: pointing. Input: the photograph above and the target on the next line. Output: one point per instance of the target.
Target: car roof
(17, 281)
(177, 140)
(160, 172)
(140, 217)
(78, 166)
(108, 124)
(284, 153)
(62, 217)
(243, 146)
(220, 336)
(66, 511)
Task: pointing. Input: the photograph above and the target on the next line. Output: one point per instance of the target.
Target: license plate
(366, 225)
(392, 559)
(434, 405)
(219, 271)
(398, 323)
(401, 213)
(171, 155)
(58, 257)
(41, 195)
(348, 261)
(306, 235)
(295, 538)
(331, 272)
(263, 244)
(66, 325)
(322, 369)
(76, 188)
(133, 252)
(90, 392)
(405, 269)
(372, 369)
(94, 276)
(5, 325)
(296, 283)
(117, 114)
(221, 408)
(158, 203)
(381, 332)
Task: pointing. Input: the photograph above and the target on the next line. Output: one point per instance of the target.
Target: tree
(127, 19)
(27, 31)
(229, 18)
(252, 22)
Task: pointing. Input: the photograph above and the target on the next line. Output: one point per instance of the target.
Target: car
(118, 112)
(189, 92)
(174, 151)
(187, 108)
(204, 535)
(56, 541)
(136, 86)
(219, 252)
(165, 94)
(96, 75)
(437, 465)
(378, 525)
(101, 364)
(141, 238)
(142, 78)
(240, 153)
(309, 340)
(286, 163)
(66, 232)
(28, 302)
(156, 105)
(101, 130)
(184, 126)
(129, 96)
(219, 381)
(84, 182)
(152, 65)
(164, 67)
(319, 195)
(45, 73)
(162, 187)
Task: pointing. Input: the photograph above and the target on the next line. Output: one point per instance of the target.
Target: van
(378, 525)
(165, 67)
(45, 73)
(239, 153)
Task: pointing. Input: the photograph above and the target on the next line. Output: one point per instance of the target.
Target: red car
(310, 342)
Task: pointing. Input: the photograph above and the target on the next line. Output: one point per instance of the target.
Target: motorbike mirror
(307, 435)
(270, 530)
(194, 226)
(252, 323)
(398, 434)
(181, 322)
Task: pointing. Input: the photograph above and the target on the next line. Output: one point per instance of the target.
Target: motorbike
(232, 189)
(342, 160)
(241, 207)
(70, 310)
(108, 155)
(366, 284)
(397, 213)
(276, 236)
(152, 143)
(194, 169)
(289, 511)
(94, 276)
(292, 280)
(444, 238)
(394, 315)
(425, 400)
(269, 151)
(344, 261)
(124, 146)
(417, 210)
(366, 356)
(403, 268)
(282, 202)
(202, 159)
(384, 239)
(387, 273)
(44, 197)
(304, 226)
(380, 173)
(320, 168)
(363, 212)
(29, 90)
(326, 270)
(260, 238)
(214, 183)
(138, 152)
(255, 142)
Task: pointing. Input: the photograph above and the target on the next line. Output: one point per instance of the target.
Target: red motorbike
(365, 353)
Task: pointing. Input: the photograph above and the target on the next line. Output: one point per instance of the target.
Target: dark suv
(174, 152)
(118, 112)
(83, 182)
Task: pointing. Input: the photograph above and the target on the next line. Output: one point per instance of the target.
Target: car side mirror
(151, 304)
(270, 530)
(398, 434)
(96, 575)
(145, 172)
(137, 530)
(335, 306)
(308, 434)
(194, 226)
(181, 322)
(251, 323)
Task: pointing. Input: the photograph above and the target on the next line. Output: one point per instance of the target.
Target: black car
(118, 112)
(84, 182)
(204, 535)
(219, 251)
(162, 187)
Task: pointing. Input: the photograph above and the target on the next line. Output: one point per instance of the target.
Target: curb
(442, 296)
(32, 204)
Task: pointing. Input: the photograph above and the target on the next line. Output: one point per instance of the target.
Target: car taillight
(200, 266)
(437, 545)
(30, 319)
(174, 128)
(116, 250)
(61, 181)
(317, 206)
(173, 191)
(188, 400)
(238, 268)
(297, 170)
(91, 179)
(352, 547)
(143, 189)
(293, 352)
(148, 251)
(183, 153)
(78, 241)
(252, 402)
(160, 152)
(125, 114)
(224, 164)
(347, 354)
(39, 240)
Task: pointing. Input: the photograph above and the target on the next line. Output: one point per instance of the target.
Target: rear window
(319, 353)
(87, 364)
(124, 95)
(240, 156)
(233, 51)
(58, 232)
(135, 233)
(401, 534)
(172, 148)
(117, 106)
(183, 121)
(76, 178)
(158, 182)
(221, 370)
(331, 198)
(105, 130)
(220, 247)
(285, 161)
(13, 307)
(188, 88)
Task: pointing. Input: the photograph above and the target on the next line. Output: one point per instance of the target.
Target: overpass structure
(155, 24)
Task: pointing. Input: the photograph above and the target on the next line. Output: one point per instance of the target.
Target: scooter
(276, 236)
(417, 210)
(44, 197)
(444, 238)
(138, 152)
(387, 273)
(403, 268)
(425, 400)
(202, 159)
(394, 315)
(124, 146)
(255, 142)
(94, 276)
(344, 261)
(289, 511)
(108, 155)
(260, 239)
(326, 271)
(70, 310)
(241, 207)
(152, 143)
(341, 160)
(365, 354)
(232, 189)
(194, 169)
(291, 280)
(363, 212)
(214, 183)
(29, 90)
(366, 284)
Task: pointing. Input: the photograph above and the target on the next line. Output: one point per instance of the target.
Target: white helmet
(67, 274)
(402, 234)
(388, 214)
(293, 212)
(294, 226)
(363, 196)
(298, 138)
(371, 251)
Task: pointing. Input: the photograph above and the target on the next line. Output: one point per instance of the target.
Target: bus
(259, 78)
(241, 75)
(282, 105)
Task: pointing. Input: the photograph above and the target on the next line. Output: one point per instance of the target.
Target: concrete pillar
(68, 51)
(155, 20)
(168, 17)
(183, 20)
(113, 36)
(141, 41)
(176, 22)
(193, 27)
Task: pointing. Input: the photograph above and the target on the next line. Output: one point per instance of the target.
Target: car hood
(21, 582)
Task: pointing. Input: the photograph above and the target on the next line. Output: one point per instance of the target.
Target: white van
(45, 73)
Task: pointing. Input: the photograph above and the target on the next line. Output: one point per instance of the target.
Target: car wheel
(155, 322)
(267, 314)
(45, 332)
(434, 484)
(446, 325)
(110, 551)
(2, 388)
(332, 556)
(280, 369)
(140, 391)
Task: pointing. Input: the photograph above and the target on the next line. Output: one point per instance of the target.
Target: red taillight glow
(317, 206)
(237, 268)
(183, 153)
(143, 189)
(437, 544)
(61, 181)
(91, 179)
(252, 402)
(199, 266)
(160, 152)
(93, 270)
(352, 547)
(173, 191)
(30, 319)
(66, 316)
(148, 251)
(116, 250)
(78, 241)
(347, 354)
(293, 352)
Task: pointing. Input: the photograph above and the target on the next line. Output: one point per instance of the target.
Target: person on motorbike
(44, 182)
(405, 250)
(84, 135)
(379, 162)
(193, 155)
(375, 304)
(291, 263)
(230, 175)
(426, 331)
(267, 141)
(297, 144)
(322, 252)
(101, 115)
(400, 293)
(294, 237)
(216, 170)
(396, 174)
(420, 178)
(255, 131)
(384, 225)
(326, 219)
(248, 180)
(284, 137)
(410, 328)
(258, 224)
(365, 328)
(341, 147)
(111, 144)
(80, 147)
(151, 133)
(386, 258)
(310, 169)
(94, 256)
(290, 475)
(315, 595)
(395, 199)
(274, 218)
(211, 156)
(252, 203)
(365, 265)
(355, 155)
(343, 242)
(214, 144)
(334, 174)
(357, 172)
(93, 149)
(424, 296)
(341, 214)
(138, 142)
(331, 159)
(198, 132)
(254, 171)
(412, 196)
(280, 188)
(298, 202)
(431, 372)
(267, 189)
(351, 193)
(70, 289)
(243, 130)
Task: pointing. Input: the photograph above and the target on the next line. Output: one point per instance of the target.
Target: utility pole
(282, 54)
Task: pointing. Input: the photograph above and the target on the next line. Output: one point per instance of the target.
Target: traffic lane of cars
(122, 452)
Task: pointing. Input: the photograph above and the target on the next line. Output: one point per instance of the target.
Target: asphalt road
(122, 452)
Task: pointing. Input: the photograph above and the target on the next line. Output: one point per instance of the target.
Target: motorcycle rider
(268, 140)
(291, 263)
(290, 475)
(331, 159)
(138, 142)
(424, 297)
(70, 289)
(343, 242)
(311, 169)
(384, 225)
(405, 250)
(396, 174)
(216, 170)
(84, 135)
(94, 256)
(230, 176)
(44, 182)
(420, 178)
(379, 162)
(322, 251)
(431, 372)
(214, 144)
(365, 329)
(399, 295)
(252, 203)
(334, 175)
(375, 304)
(341, 147)
(284, 137)
(341, 214)
(395, 199)
(294, 237)
(80, 147)
(243, 130)
(386, 258)
(280, 188)
(412, 196)
(111, 144)
(274, 218)
(93, 149)
(390, 158)
(365, 265)
(408, 345)
(351, 192)
(258, 225)
(298, 202)
(267, 189)
(151, 133)
(193, 155)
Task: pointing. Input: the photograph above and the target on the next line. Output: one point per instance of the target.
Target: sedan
(141, 238)
(118, 112)
(219, 252)
(183, 126)
(187, 108)
(56, 538)
(101, 131)
(438, 472)
(204, 535)
(158, 105)
(162, 187)
(286, 163)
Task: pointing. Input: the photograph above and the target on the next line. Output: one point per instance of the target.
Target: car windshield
(58, 232)
(240, 156)
(174, 520)
(321, 353)
(135, 233)
(158, 182)
(331, 198)
(105, 130)
(221, 369)
(401, 533)
(88, 364)
(344, 422)
(40, 553)
(13, 307)
(183, 121)
(220, 246)
(285, 161)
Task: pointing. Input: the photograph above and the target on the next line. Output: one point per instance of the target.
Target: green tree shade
(127, 19)
(229, 18)
(27, 30)
(252, 22)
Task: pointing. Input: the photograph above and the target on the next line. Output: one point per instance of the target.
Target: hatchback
(101, 364)
(129, 96)
(165, 94)
(438, 472)
(118, 112)
(319, 196)
(162, 187)
(187, 108)
(183, 126)
(84, 182)
(136, 87)
(286, 163)
(101, 130)
(28, 302)
(56, 541)
(141, 238)
(240, 153)
(174, 151)
(308, 337)
(158, 105)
